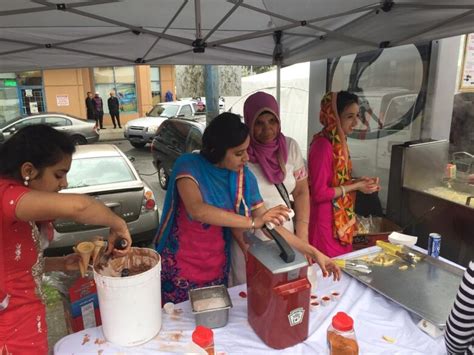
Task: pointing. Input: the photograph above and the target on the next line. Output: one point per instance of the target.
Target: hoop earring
(26, 181)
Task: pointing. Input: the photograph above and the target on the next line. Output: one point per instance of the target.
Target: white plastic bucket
(130, 307)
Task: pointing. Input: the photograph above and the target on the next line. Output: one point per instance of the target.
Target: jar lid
(342, 322)
(203, 336)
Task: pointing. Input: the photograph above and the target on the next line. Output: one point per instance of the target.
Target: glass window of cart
(121, 80)
(390, 84)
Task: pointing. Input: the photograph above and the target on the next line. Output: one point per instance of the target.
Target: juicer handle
(287, 253)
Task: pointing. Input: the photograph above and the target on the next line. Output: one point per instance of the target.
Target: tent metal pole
(345, 13)
(222, 20)
(243, 51)
(185, 2)
(54, 45)
(340, 36)
(252, 35)
(177, 39)
(50, 7)
(278, 83)
(434, 6)
(438, 25)
(121, 59)
(169, 55)
(197, 18)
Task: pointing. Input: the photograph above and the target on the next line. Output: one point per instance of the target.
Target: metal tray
(428, 290)
(211, 317)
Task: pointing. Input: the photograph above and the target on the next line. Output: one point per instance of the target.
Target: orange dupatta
(343, 207)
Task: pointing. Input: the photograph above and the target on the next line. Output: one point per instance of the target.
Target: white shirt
(295, 171)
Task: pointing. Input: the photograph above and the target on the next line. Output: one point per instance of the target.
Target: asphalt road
(143, 164)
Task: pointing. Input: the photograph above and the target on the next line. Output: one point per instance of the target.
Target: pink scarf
(271, 157)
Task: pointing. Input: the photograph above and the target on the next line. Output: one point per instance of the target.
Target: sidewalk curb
(111, 134)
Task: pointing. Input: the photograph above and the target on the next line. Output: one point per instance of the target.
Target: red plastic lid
(203, 336)
(342, 322)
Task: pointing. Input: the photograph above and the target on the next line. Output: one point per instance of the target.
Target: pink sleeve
(10, 199)
(320, 164)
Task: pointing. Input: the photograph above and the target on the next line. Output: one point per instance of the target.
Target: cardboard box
(82, 306)
(382, 227)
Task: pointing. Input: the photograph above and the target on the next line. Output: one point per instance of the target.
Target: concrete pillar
(317, 88)
(211, 85)
(441, 88)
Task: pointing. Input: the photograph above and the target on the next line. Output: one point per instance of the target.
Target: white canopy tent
(79, 33)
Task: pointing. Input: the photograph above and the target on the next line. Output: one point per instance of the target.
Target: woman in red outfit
(33, 168)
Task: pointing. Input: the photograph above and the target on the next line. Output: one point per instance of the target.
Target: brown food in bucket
(139, 260)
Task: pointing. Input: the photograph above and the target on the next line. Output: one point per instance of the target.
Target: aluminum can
(434, 244)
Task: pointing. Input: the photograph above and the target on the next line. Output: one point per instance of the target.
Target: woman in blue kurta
(212, 195)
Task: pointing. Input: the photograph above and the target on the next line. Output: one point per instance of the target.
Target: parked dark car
(173, 138)
(81, 131)
(141, 131)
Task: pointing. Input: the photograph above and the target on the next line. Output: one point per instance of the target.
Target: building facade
(65, 90)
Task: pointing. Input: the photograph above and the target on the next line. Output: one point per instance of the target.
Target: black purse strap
(284, 194)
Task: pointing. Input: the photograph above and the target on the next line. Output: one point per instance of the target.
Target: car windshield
(164, 111)
(98, 171)
(9, 122)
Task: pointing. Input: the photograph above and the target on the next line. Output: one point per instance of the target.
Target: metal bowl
(210, 305)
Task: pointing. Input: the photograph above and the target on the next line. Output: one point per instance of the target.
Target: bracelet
(343, 191)
(252, 227)
(302, 221)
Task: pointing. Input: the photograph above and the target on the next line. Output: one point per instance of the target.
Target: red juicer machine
(278, 291)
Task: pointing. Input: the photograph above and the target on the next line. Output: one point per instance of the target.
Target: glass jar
(204, 337)
(341, 336)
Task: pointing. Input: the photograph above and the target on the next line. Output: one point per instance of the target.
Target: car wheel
(163, 177)
(79, 140)
(138, 145)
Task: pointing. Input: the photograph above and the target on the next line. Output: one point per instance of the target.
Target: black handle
(418, 219)
(121, 244)
(287, 253)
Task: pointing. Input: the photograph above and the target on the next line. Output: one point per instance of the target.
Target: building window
(9, 108)
(118, 79)
(155, 85)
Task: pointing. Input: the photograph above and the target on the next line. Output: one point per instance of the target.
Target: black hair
(224, 132)
(40, 145)
(344, 99)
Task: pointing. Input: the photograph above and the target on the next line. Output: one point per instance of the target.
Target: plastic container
(204, 338)
(130, 307)
(341, 336)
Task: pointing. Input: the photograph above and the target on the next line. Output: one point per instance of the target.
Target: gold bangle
(252, 225)
(343, 191)
(302, 221)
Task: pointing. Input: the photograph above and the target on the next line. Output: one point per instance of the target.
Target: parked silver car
(104, 172)
(81, 131)
(141, 131)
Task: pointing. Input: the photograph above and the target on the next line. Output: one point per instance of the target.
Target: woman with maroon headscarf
(277, 163)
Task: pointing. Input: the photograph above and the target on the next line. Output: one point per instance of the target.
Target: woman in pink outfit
(332, 217)
(33, 168)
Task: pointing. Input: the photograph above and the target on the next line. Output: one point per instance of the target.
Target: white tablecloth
(374, 317)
